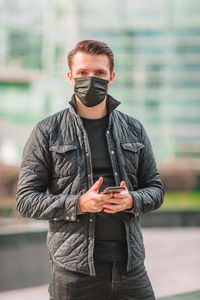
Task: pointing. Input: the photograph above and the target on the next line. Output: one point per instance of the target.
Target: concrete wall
(171, 219)
(24, 260)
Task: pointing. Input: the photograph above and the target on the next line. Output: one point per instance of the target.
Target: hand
(118, 201)
(91, 201)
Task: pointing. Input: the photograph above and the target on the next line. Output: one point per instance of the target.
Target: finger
(112, 208)
(97, 184)
(105, 197)
(109, 211)
(123, 183)
(98, 208)
(112, 200)
(120, 195)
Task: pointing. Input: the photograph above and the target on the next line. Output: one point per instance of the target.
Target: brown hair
(94, 48)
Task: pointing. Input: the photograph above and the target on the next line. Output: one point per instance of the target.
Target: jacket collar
(111, 103)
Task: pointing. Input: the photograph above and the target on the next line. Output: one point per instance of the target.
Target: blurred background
(157, 64)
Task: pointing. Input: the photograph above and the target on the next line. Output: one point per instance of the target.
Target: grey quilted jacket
(56, 170)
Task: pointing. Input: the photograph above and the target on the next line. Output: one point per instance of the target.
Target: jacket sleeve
(34, 178)
(150, 194)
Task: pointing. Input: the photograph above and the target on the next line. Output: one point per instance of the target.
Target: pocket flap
(62, 148)
(134, 147)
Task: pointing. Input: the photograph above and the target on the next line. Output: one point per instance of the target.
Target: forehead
(87, 61)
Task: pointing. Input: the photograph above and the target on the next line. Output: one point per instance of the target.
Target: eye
(100, 73)
(82, 73)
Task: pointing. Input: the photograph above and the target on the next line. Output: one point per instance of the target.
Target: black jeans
(112, 282)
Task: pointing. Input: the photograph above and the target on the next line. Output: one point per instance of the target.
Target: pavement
(172, 262)
(187, 296)
(173, 259)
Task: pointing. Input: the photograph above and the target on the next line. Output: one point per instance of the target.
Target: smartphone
(113, 189)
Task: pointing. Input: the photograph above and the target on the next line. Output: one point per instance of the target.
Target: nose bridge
(91, 74)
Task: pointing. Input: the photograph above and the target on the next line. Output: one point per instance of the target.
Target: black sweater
(110, 241)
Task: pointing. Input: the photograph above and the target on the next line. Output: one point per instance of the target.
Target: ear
(71, 79)
(112, 76)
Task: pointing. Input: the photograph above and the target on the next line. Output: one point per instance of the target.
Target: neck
(95, 112)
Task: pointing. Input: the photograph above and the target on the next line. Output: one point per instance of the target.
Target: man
(94, 238)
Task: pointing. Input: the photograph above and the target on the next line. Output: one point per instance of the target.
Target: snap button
(91, 220)
(108, 132)
(115, 173)
(67, 218)
(72, 218)
(112, 152)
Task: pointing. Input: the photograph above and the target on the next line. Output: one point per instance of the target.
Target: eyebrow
(81, 69)
(97, 69)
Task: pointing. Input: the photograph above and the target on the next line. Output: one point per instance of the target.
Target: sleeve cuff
(71, 207)
(131, 210)
(136, 197)
(78, 211)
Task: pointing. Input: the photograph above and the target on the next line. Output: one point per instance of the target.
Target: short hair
(92, 47)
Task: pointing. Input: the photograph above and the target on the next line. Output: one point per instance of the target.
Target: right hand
(91, 201)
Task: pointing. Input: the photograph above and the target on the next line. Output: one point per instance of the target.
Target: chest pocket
(64, 160)
(132, 155)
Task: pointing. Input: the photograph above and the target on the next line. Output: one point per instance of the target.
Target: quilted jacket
(56, 170)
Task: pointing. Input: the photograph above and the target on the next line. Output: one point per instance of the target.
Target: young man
(94, 238)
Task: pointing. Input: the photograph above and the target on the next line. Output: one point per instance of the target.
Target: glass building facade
(157, 62)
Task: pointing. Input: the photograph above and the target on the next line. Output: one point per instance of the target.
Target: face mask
(90, 90)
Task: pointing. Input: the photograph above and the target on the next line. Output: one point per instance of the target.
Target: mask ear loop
(74, 98)
(74, 94)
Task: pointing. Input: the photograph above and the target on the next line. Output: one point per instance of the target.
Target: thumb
(123, 183)
(97, 185)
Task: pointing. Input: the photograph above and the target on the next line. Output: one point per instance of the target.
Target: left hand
(117, 201)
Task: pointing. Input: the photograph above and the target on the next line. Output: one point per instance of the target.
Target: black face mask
(90, 90)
